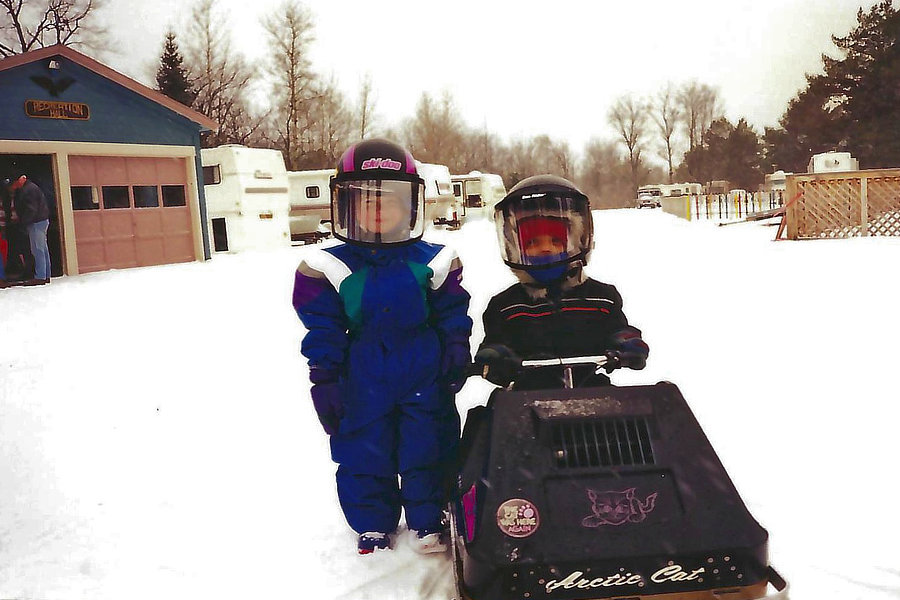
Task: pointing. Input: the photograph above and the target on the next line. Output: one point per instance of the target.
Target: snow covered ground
(157, 440)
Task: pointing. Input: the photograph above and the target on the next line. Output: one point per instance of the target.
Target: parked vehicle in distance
(647, 201)
(654, 191)
(310, 211)
(247, 202)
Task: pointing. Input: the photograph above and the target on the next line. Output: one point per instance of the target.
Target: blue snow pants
(413, 442)
(416, 439)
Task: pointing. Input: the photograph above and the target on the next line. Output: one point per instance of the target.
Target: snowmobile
(603, 492)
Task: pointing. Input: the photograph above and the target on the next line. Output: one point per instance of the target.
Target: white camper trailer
(776, 182)
(441, 206)
(310, 204)
(827, 162)
(478, 192)
(680, 189)
(246, 197)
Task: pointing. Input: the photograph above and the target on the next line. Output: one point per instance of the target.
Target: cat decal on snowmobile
(618, 508)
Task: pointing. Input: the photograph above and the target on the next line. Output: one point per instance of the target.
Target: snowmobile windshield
(542, 230)
(377, 211)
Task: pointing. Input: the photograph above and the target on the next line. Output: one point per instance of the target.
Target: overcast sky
(522, 67)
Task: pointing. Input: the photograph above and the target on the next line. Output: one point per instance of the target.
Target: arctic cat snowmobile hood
(596, 493)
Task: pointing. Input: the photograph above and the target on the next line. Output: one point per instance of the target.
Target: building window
(84, 198)
(212, 175)
(312, 191)
(220, 234)
(173, 195)
(145, 196)
(116, 196)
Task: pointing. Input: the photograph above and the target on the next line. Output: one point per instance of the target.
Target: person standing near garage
(33, 215)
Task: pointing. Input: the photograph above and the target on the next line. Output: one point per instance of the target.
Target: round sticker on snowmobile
(518, 518)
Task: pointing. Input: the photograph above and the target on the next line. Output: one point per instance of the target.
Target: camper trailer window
(457, 189)
(145, 196)
(212, 175)
(83, 198)
(443, 188)
(473, 194)
(173, 195)
(115, 196)
(312, 191)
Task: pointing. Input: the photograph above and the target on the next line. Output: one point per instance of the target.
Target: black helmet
(377, 196)
(544, 223)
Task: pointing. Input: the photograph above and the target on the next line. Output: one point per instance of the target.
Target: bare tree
(551, 156)
(564, 160)
(700, 106)
(481, 151)
(667, 115)
(605, 176)
(366, 107)
(519, 161)
(29, 25)
(628, 117)
(534, 156)
(436, 133)
(290, 32)
(220, 77)
(328, 127)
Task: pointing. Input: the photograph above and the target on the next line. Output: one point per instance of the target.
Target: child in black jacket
(556, 311)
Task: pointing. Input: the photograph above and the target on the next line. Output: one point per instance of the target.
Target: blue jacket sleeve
(321, 310)
(448, 299)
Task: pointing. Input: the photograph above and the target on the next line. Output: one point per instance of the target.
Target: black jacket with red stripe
(586, 319)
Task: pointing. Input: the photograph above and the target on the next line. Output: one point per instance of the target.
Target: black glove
(454, 360)
(328, 401)
(500, 364)
(327, 397)
(629, 350)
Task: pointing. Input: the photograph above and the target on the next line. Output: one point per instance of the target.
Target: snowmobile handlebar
(597, 361)
(478, 370)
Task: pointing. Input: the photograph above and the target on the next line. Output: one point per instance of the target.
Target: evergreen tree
(171, 77)
(814, 122)
(873, 101)
(854, 105)
(730, 152)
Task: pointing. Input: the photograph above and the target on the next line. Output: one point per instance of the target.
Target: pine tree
(171, 77)
(730, 152)
(854, 105)
(872, 69)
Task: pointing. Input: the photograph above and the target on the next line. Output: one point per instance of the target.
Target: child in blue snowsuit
(387, 343)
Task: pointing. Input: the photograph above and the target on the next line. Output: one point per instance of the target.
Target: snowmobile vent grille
(606, 443)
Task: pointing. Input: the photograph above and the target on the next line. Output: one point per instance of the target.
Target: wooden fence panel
(884, 205)
(842, 205)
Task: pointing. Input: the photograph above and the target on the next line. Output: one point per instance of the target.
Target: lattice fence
(841, 205)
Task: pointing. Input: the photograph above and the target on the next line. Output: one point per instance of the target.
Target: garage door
(130, 212)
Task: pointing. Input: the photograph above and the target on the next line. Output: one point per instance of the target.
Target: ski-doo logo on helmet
(618, 508)
(382, 163)
(518, 518)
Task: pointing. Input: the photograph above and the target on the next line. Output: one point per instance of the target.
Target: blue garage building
(118, 161)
